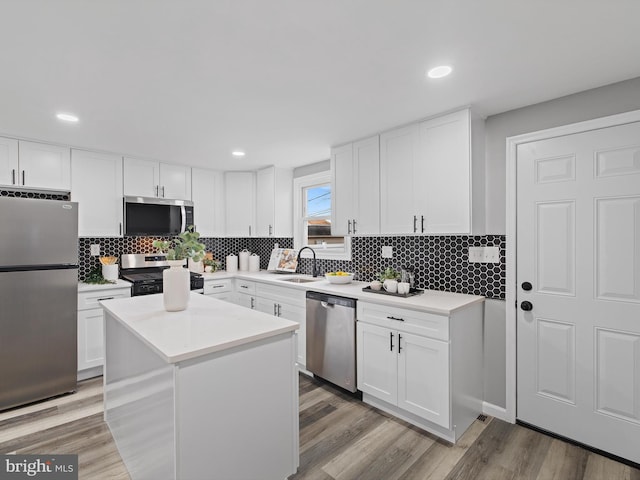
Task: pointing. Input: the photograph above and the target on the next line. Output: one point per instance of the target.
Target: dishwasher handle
(327, 304)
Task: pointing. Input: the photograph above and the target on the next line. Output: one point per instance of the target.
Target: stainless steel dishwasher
(331, 339)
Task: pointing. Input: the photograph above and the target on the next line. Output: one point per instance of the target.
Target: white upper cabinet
(355, 177)
(34, 165)
(398, 155)
(208, 201)
(148, 178)
(8, 161)
(96, 184)
(432, 177)
(240, 203)
(274, 202)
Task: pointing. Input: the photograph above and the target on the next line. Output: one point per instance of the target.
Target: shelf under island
(209, 392)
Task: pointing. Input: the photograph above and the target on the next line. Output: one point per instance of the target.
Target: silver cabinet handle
(275, 310)
(162, 191)
(348, 227)
(249, 230)
(120, 228)
(23, 181)
(217, 286)
(354, 226)
(13, 176)
(415, 226)
(105, 298)
(395, 318)
(252, 302)
(279, 312)
(399, 343)
(156, 190)
(422, 222)
(391, 341)
(270, 230)
(244, 286)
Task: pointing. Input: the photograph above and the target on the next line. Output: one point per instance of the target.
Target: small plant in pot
(389, 274)
(175, 279)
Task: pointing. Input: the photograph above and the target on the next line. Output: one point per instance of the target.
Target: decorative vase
(175, 286)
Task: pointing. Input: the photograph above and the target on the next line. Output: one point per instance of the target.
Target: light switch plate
(387, 252)
(484, 255)
(95, 250)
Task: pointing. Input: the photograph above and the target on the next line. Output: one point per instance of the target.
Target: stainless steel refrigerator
(38, 299)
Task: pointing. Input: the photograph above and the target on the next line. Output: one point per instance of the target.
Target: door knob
(526, 306)
(526, 286)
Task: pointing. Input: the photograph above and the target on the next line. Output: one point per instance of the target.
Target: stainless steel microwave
(156, 216)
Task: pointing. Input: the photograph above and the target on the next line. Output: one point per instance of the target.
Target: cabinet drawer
(411, 321)
(277, 294)
(244, 286)
(87, 300)
(218, 286)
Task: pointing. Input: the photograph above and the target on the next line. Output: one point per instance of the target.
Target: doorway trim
(511, 234)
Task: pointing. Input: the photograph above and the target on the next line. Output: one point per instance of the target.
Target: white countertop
(206, 326)
(88, 287)
(432, 301)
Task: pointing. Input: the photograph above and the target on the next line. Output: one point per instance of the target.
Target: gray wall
(599, 102)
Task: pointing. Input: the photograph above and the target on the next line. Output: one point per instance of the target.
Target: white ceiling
(188, 81)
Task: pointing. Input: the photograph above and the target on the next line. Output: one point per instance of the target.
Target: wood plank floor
(340, 439)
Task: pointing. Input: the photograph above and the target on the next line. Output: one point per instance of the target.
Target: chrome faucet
(315, 268)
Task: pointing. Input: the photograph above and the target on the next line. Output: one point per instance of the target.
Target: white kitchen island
(207, 393)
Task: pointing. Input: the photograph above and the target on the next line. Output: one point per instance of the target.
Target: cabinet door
(8, 161)
(90, 338)
(96, 184)
(265, 202)
(240, 204)
(397, 156)
(248, 301)
(423, 378)
(141, 177)
(44, 166)
(442, 174)
(298, 314)
(377, 361)
(366, 186)
(342, 194)
(175, 181)
(207, 192)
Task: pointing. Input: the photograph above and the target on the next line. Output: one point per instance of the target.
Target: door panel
(556, 248)
(578, 243)
(556, 360)
(618, 374)
(617, 227)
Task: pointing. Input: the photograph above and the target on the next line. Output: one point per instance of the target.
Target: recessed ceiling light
(67, 117)
(439, 72)
(238, 153)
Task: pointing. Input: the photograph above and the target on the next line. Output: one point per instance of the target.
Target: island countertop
(206, 326)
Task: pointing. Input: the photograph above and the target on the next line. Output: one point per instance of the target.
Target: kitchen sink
(300, 280)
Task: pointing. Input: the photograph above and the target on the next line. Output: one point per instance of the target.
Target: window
(312, 210)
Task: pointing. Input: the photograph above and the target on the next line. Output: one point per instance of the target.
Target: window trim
(299, 184)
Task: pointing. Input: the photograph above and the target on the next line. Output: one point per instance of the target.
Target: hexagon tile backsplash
(440, 262)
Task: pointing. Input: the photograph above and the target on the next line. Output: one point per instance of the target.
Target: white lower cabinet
(289, 303)
(220, 289)
(245, 293)
(421, 367)
(91, 328)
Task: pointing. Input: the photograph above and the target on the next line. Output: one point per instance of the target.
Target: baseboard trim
(495, 411)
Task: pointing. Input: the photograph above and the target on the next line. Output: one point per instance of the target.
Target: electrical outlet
(491, 255)
(95, 250)
(475, 254)
(387, 252)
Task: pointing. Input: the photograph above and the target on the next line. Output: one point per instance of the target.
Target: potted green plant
(175, 279)
(389, 278)
(211, 265)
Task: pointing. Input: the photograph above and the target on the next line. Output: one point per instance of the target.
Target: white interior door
(578, 246)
